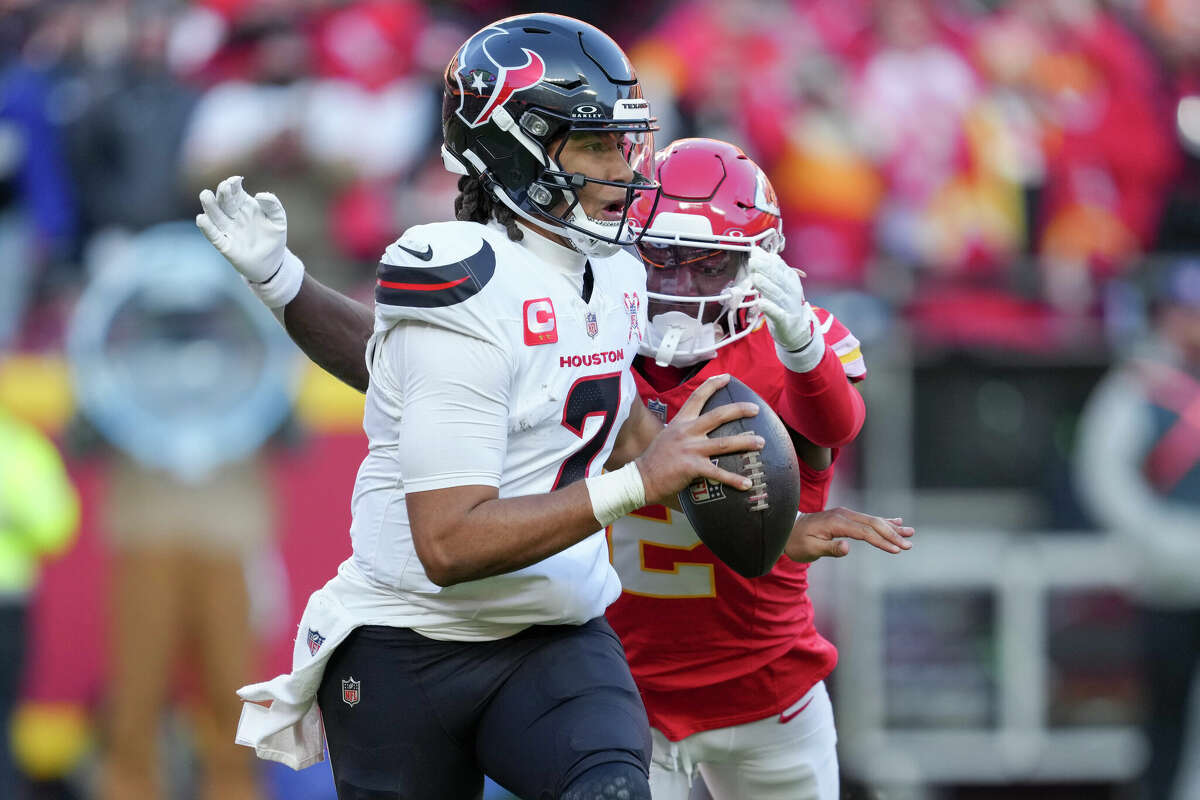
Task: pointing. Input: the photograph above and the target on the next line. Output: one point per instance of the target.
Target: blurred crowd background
(1001, 198)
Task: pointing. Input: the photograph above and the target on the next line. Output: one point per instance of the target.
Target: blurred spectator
(428, 196)
(829, 190)
(39, 512)
(1138, 464)
(186, 385)
(249, 123)
(329, 110)
(772, 77)
(37, 200)
(1109, 158)
(180, 551)
(917, 102)
(126, 139)
(622, 19)
(1176, 29)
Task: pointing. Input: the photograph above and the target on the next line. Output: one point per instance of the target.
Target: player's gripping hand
(251, 232)
(821, 533)
(790, 318)
(682, 451)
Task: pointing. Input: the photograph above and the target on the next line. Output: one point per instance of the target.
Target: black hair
(476, 204)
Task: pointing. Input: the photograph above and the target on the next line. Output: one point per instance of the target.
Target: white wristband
(806, 358)
(614, 494)
(282, 287)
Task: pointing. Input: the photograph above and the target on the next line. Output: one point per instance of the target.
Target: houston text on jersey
(592, 359)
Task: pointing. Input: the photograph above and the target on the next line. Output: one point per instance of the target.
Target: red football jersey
(709, 648)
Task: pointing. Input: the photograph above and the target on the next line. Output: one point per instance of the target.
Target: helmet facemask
(557, 194)
(700, 299)
(551, 200)
(714, 206)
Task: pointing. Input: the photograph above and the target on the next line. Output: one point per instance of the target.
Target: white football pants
(771, 759)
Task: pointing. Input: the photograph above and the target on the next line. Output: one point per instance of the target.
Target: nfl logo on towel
(593, 327)
(350, 691)
(315, 640)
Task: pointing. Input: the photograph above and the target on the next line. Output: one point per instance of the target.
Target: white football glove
(251, 232)
(790, 319)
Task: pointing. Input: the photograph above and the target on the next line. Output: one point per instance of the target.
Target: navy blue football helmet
(514, 92)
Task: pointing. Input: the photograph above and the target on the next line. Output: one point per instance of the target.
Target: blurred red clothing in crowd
(769, 76)
(1110, 154)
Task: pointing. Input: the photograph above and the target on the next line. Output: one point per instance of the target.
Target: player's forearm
(332, 330)
(499, 535)
(635, 435)
(822, 405)
(468, 532)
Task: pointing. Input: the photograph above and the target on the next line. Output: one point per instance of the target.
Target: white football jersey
(488, 367)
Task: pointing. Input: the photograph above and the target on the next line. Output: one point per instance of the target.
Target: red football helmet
(715, 205)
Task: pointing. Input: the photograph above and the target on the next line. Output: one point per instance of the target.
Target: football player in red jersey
(731, 670)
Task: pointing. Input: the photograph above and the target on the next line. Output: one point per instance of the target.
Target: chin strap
(580, 241)
(678, 340)
(667, 347)
(589, 246)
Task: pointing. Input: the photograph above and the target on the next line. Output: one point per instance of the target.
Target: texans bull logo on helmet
(517, 68)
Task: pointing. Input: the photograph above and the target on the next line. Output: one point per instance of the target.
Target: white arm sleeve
(447, 396)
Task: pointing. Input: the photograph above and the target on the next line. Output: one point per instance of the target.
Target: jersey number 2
(592, 396)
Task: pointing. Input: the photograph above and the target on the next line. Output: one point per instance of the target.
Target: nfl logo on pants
(350, 691)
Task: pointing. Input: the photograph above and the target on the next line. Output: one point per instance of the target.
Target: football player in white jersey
(465, 634)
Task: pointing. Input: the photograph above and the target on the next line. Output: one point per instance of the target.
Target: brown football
(748, 529)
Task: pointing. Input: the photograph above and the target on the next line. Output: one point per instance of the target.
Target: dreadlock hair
(476, 204)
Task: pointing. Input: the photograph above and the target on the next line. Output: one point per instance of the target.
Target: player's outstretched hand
(682, 451)
(821, 533)
(790, 318)
(249, 231)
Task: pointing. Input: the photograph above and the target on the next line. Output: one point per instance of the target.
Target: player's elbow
(843, 436)
(445, 535)
(438, 562)
(440, 577)
(440, 572)
(837, 425)
(832, 433)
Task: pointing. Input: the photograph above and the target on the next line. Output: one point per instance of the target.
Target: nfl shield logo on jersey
(658, 408)
(593, 326)
(350, 693)
(315, 640)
